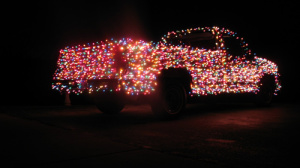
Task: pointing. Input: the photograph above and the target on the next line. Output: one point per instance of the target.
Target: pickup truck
(185, 64)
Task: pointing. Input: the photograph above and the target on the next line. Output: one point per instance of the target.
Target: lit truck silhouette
(186, 64)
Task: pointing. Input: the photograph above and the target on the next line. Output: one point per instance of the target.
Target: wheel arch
(268, 80)
(178, 75)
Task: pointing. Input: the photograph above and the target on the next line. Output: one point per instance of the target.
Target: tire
(110, 107)
(170, 102)
(109, 103)
(267, 87)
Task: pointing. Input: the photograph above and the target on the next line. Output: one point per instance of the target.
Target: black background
(33, 33)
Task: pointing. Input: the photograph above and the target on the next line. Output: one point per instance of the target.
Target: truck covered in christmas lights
(185, 64)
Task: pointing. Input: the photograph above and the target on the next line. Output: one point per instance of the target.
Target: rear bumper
(100, 89)
(80, 86)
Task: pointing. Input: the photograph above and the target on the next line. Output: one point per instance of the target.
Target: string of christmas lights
(136, 64)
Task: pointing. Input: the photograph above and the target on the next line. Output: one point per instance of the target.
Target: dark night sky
(34, 33)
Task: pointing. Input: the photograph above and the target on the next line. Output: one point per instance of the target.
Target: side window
(201, 40)
(233, 46)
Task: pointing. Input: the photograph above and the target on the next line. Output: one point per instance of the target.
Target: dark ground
(223, 135)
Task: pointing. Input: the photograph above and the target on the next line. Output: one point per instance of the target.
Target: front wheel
(170, 102)
(265, 95)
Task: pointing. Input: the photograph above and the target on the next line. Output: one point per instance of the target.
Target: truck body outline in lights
(135, 65)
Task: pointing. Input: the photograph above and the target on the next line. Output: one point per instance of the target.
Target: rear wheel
(170, 102)
(109, 103)
(110, 107)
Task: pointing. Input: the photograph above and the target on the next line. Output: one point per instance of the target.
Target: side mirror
(249, 55)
